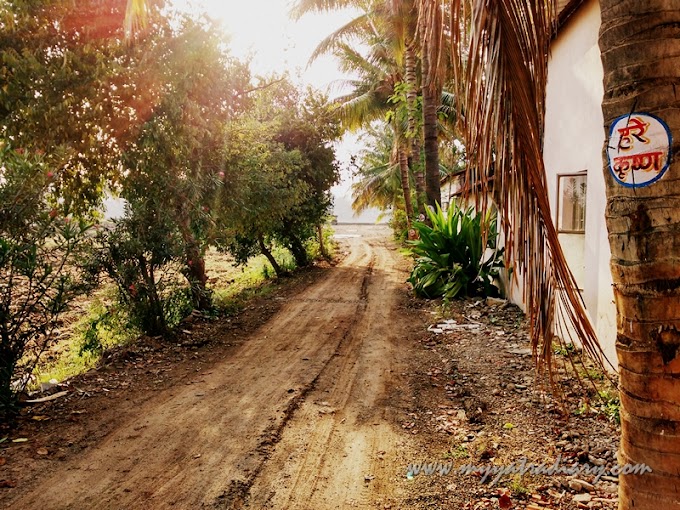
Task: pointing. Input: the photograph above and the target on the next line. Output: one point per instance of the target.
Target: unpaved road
(302, 416)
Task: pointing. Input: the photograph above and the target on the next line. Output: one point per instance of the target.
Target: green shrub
(41, 245)
(399, 225)
(453, 258)
(102, 328)
(141, 253)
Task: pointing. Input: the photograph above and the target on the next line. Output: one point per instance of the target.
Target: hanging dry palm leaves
(499, 62)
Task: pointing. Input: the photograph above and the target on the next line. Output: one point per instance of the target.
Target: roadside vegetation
(206, 160)
(107, 326)
(457, 254)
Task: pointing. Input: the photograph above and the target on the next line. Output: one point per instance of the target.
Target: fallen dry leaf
(3, 461)
(504, 501)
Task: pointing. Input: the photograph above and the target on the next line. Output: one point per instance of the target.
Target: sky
(263, 30)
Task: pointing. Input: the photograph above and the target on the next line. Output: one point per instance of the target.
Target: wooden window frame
(582, 173)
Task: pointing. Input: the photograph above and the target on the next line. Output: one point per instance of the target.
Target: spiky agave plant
(457, 255)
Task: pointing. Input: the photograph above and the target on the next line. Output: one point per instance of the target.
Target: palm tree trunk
(405, 184)
(414, 131)
(431, 100)
(639, 41)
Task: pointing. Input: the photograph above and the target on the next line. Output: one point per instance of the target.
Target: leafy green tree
(176, 159)
(262, 190)
(140, 254)
(64, 91)
(309, 129)
(281, 159)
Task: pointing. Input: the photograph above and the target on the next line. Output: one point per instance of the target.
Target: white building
(573, 147)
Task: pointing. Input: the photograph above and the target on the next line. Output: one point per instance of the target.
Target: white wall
(574, 137)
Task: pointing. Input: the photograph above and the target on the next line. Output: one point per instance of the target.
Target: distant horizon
(342, 208)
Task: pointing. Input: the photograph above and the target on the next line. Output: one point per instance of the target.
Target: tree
(263, 189)
(379, 175)
(63, 94)
(281, 164)
(309, 129)
(386, 83)
(644, 235)
(178, 152)
(402, 23)
(431, 41)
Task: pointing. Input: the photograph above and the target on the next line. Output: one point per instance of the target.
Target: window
(571, 203)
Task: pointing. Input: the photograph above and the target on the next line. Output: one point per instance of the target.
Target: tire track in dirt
(239, 491)
(205, 444)
(341, 449)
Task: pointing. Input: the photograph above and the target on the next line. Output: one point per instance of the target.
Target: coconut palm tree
(431, 30)
(136, 15)
(371, 99)
(379, 183)
(641, 74)
(379, 74)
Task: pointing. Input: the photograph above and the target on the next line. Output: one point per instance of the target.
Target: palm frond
(358, 110)
(136, 16)
(500, 57)
(352, 61)
(378, 187)
(355, 28)
(431, 28)
(302, 7)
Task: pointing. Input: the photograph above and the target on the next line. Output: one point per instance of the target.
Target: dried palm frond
(499, 64)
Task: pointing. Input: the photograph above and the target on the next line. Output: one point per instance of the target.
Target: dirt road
(302, 416)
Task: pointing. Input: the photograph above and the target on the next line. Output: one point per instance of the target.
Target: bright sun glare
(262, 29)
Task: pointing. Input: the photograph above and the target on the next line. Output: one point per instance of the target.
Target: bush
(40, 247)
(399, 225)
(313, 246)
(453, 258)
(102, 328)
(141, 253)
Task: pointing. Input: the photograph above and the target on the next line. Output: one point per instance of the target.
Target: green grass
(99, 330)
(459, 452)
(70, 363)
(250, 281)
(611, 405)
(517, 486)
